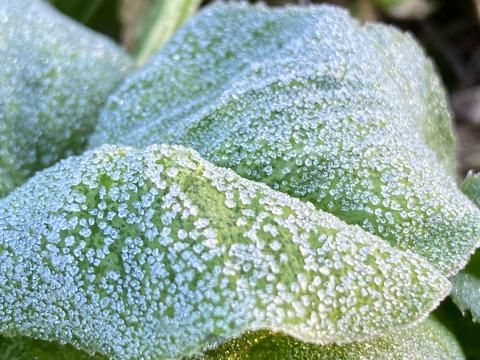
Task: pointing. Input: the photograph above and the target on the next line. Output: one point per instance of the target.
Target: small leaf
(466, 284)
(427, 341)
(54, 75)
(157, 253)
(347, 116)
(466, 331)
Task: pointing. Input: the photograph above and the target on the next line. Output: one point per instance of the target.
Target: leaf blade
(315, 105)
(427, 341)
(157, 252)
(466, 284)
(55, 75)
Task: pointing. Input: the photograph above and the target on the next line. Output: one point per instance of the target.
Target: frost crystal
(54, 75)
(305, 99)
(111, 253)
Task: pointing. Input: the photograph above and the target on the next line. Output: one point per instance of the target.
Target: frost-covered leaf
(466, 289)
(466, 284)
(24, 348)
(156, 253)
(428, 341)
(54, 75)
(466, 331)
(471, 188)
(350, 117)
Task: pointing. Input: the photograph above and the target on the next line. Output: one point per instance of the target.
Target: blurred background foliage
(448, 30)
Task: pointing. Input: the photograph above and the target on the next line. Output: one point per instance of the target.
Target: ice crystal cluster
(54, 76)
(349, 117)
(274, 182)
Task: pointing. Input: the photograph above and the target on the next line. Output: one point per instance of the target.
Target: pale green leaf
(428, 341)
(157, 253)
(466, 284)
(305, 99)
(54, 76)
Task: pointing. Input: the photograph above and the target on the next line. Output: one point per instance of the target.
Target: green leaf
(54, 76)
(80, 10)
(427, 341)
(466, 284)
(466, 288)
(154, 23)
(466, 331)
(349, 117)
(24, 348)
(100, 15)
(157, 253)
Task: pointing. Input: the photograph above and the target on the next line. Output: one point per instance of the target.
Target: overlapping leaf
(466, 284)
(351, 118)
(54, 75)
(427, 341)
(157, 253)
(25, 348)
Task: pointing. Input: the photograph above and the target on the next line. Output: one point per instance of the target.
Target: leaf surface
(54, 76)
(157, 253)
(466, 284)
(428, 341)
(305, 99)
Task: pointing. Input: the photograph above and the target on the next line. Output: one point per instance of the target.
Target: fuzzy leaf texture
(54, 76)
(25, 348)
(305, 99)
(428, 341)
(157, 253)
(466, 284)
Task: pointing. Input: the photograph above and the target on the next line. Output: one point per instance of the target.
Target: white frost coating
(156, 253)
(308, 101)
(54, 76)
